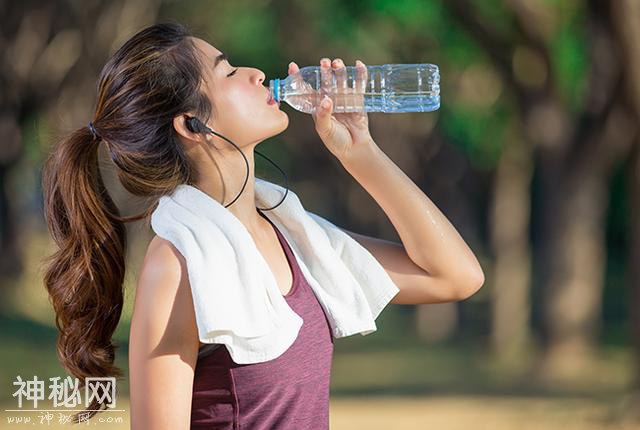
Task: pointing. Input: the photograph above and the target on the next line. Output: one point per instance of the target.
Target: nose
(259, 76)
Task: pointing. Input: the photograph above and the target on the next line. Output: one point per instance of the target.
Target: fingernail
(325, 102)
(290, 64)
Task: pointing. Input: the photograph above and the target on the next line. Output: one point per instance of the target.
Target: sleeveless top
(288, 392)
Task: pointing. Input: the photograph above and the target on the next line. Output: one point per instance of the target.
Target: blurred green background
(534, 156)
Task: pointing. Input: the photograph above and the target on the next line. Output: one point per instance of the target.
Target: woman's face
(239, 95)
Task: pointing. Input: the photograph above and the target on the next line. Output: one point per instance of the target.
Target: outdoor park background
(534, 156)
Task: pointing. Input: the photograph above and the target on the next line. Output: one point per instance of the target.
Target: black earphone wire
(200, 126)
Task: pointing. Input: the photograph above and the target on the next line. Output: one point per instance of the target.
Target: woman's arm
(437, 265)
(433, 264)
(163, 343)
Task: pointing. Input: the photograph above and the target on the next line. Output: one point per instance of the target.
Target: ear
(187, 136)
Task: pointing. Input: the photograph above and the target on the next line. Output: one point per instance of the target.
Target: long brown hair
(153, 77)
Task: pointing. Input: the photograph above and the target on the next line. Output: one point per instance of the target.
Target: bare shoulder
(163, 304)
(163, 341)
(163, 274)
(162, 258)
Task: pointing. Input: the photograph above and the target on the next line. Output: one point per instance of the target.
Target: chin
(285, 120)
(283, 124)
(276, 130)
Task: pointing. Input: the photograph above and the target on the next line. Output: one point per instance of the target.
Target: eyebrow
(220, 58)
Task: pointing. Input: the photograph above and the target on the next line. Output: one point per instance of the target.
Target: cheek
(242, 101)
(245, 115)
(245, 110)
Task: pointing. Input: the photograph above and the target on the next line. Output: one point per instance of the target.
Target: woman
(155, 95)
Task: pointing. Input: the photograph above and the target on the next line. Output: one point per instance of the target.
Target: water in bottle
(390, 88)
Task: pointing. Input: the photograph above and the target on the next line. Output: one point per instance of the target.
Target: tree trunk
(509, 225)
(633, 274)
(573, 266)
(436, 322)
(626, 14)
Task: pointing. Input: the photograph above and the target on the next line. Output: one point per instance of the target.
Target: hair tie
(93, 131)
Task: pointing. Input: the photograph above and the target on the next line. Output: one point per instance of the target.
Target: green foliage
(336, 22)
(245, 32)
(569, 59)
(249, 36)
(412, 15)
(480, 133)
(496, 15)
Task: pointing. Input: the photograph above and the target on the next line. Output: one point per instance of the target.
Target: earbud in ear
(194, 125)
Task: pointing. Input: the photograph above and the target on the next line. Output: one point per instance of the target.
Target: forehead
(209, 52)
(208, 55)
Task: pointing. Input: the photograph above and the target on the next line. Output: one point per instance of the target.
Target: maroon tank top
(288, 392)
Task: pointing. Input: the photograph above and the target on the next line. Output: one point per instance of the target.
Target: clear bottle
(390, 88)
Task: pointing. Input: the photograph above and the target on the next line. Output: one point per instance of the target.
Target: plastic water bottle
(390, 88)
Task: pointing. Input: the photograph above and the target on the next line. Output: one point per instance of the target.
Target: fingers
(360, 84)
(361, 77)
(334, 80)
(322, 118)
(340, 73)
(326, 76)
(293, 68)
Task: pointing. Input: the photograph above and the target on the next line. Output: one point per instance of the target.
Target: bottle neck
(275, 86)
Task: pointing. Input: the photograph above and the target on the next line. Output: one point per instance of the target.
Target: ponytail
(154, 76)
(84, 277)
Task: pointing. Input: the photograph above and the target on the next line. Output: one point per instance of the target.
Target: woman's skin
(432, 265)
(244, 117)
(163, 343)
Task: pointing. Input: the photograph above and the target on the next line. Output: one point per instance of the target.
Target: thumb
(323, 117)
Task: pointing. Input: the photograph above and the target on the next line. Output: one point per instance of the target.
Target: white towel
(236, 298)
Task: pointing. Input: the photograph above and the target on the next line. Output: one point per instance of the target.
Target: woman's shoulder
(161, 250)
(163, 340)
(161, 260)
(163, 300)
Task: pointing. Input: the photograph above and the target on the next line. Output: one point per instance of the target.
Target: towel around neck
(235, 294)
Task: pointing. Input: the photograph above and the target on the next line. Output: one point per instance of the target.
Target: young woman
(149, 93)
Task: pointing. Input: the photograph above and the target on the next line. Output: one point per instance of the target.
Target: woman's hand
(342, 133)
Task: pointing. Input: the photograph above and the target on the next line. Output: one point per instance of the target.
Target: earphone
(194, 125)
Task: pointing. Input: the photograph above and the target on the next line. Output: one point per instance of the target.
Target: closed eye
(233, 73)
